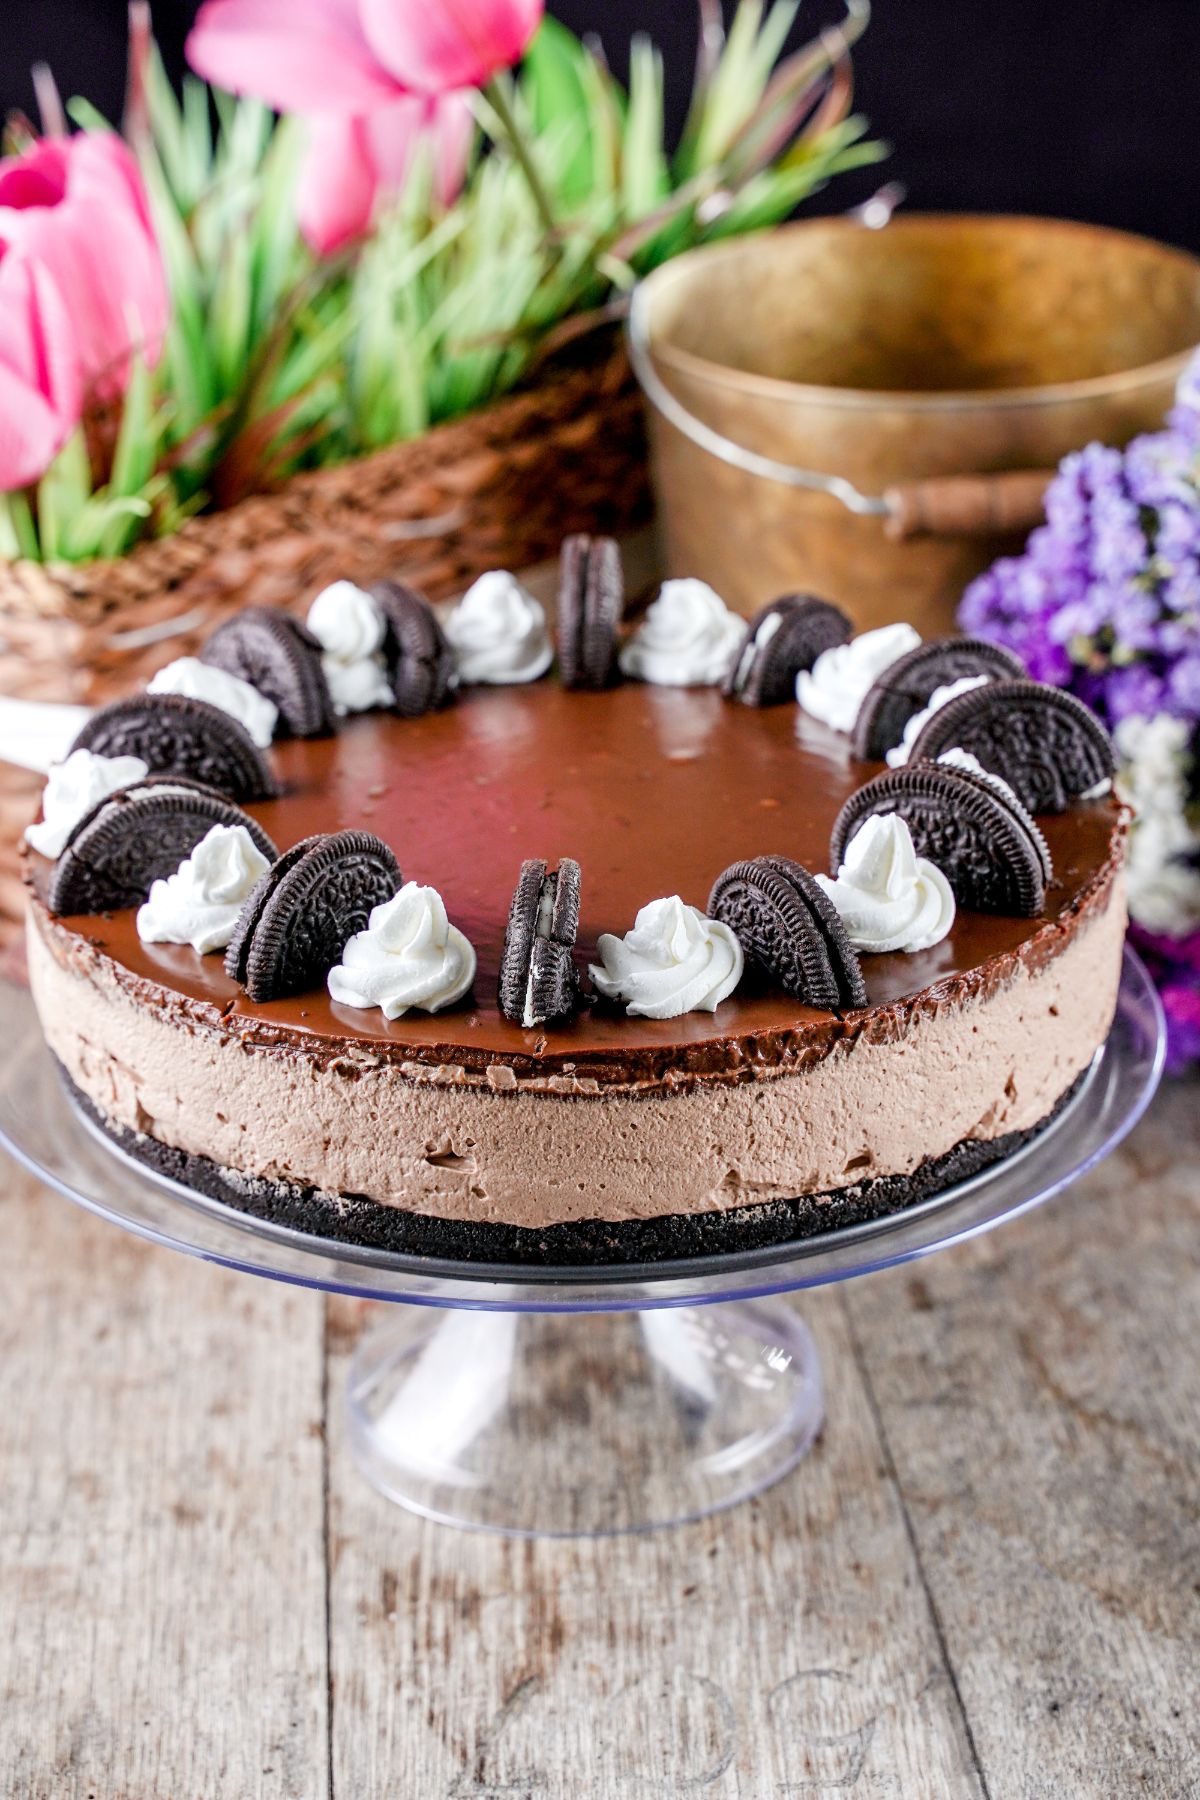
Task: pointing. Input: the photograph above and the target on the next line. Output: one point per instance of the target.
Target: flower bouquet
(232, 296)
(1105, 601)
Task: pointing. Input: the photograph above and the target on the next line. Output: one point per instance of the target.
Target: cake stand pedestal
(583, 1401)
(580, 1424)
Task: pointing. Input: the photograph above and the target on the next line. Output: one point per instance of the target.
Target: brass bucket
(874, 415)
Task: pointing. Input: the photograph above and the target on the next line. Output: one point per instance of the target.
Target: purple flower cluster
(1174, 965)
(1106, 598)
(1105, 601)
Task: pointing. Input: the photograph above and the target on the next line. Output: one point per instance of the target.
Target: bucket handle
(938, 506)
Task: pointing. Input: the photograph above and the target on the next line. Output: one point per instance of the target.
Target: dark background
(1084, 108)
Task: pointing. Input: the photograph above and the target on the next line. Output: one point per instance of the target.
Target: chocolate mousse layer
(584, 1243)
(470, 1120)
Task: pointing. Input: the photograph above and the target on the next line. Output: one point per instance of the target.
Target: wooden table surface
(982, 1582)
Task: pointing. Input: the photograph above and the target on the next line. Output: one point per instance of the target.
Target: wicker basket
(498, 489)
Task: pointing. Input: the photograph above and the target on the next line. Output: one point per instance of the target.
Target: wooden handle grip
(967, 505)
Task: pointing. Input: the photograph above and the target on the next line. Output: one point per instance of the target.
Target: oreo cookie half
(137, 836)
(1048, 746)
(591, 599)
(420, 662)
(780, 640)
(907, 687)
(983, 840)
(177, 736)
(276, 655)
(539, 984)
(787, 925)
(300, 916)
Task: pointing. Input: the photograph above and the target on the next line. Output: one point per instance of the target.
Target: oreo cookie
(137, 836)
(276, 655)
(539, 984)
(591, 599)
(420, 662)
(1048, 746)
(788, 926)
(780, 640)
(178, 736)
(983, 840)
(907, 687)
(300, 916)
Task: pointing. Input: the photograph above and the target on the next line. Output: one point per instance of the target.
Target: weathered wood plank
(161, 1520)
(983, 1582)
(785, 1647)
(1040, 1396)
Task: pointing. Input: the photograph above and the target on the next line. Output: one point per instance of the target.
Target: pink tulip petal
(37, 334)
(352, 166)
(38, 178)
(454, 134)
(336, 193)
(297, 55)
(39, 372)
(439, 45)
(393, 134)
(98, 247)
(101, 163)
(31, 433)
(444, 125)
(110, 275)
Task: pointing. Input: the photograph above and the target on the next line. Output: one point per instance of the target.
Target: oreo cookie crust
(276, 655)
(786, 924)
(539, 983)
(781, 640)
(420, 662)
(1049, 747)
(906, 688)
(587, 1243)
(136, 837)
(591, 599)
(174, 735)
(984, 841)
(305, 909)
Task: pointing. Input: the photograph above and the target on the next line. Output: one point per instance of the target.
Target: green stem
(497, 98)
(18, 533)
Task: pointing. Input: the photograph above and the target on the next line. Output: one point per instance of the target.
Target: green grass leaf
(644, 177)
(62, 493)
(554, 96)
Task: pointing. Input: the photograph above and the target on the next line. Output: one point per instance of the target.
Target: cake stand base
(552, 1424)
(560, 1401)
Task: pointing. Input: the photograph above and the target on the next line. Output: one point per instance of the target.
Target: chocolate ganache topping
(654, 791)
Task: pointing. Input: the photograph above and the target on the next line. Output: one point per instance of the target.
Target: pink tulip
(75, 207)
(354, 166)
(41, 389)
(349, 56)
(436, 45)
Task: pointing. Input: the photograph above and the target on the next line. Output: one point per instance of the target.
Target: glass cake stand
(582, 1401)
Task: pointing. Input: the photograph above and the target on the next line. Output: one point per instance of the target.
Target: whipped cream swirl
(198, 680)
(498, 632)
(840, 679)
(350, 630)
(890, 898)
(409, 956)
(899, 754)
(673, 961)
(73, 788)
(688, 638)
(199, 904)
